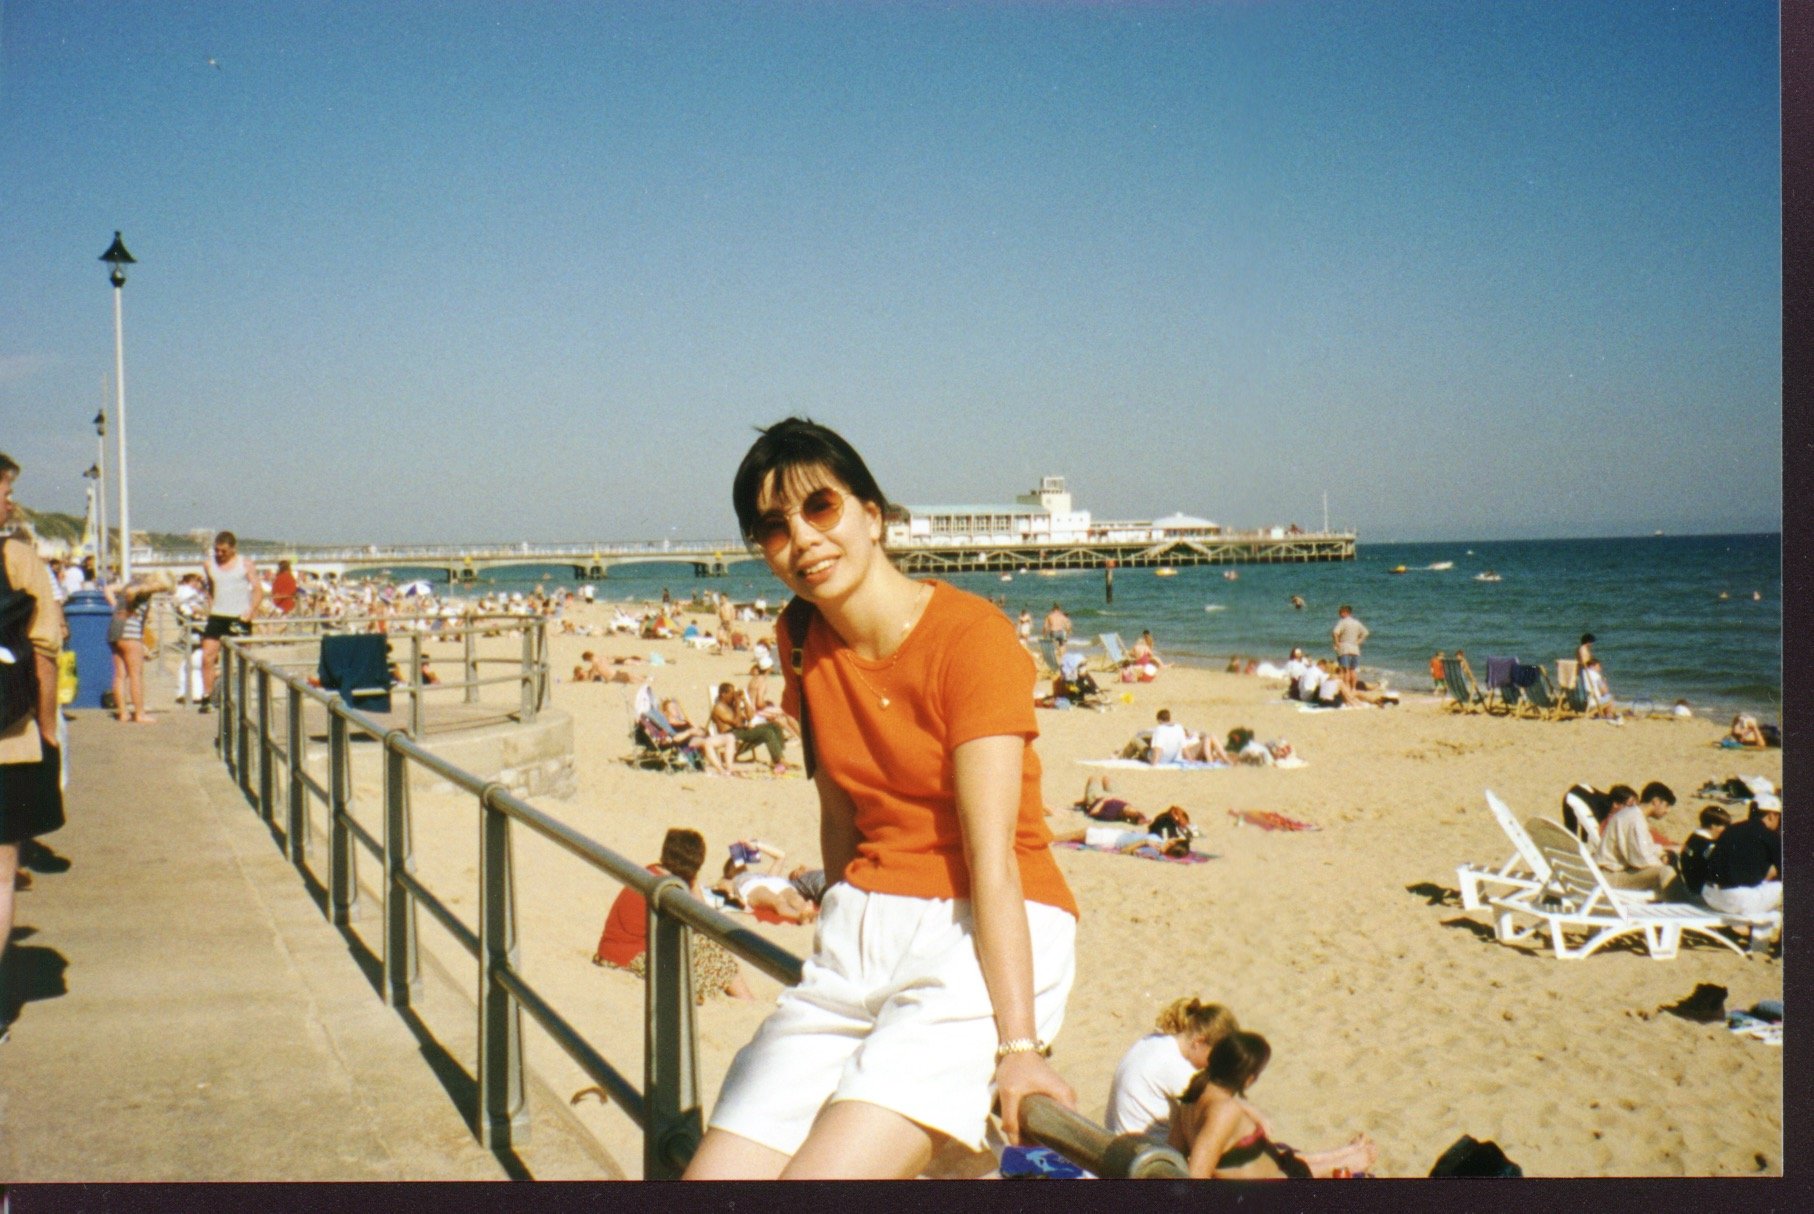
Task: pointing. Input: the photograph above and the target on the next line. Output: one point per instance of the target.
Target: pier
(1129, 546)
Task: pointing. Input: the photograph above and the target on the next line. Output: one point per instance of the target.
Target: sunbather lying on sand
(1105, 808)
(755, 891)
(1224, 1139)
(1125, 841)
(1747, 732)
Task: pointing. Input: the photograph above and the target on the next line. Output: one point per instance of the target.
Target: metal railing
(531, 673)
(667, 1107)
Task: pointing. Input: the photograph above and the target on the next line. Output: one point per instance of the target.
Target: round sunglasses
(822, 509)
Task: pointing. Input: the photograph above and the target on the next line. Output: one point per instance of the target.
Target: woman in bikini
(1225, 1138)
(944, 950)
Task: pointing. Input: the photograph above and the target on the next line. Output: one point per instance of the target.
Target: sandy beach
(1389, 1008)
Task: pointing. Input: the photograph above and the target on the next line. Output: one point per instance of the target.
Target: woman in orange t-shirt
(944, 952)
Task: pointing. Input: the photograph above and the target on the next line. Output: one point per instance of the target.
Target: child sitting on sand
(1157, 1068)
(1697, 847)
(1225, 1138)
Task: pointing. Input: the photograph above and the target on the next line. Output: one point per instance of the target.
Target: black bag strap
(798, 616)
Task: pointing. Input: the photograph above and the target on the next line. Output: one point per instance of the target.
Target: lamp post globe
(118, 259)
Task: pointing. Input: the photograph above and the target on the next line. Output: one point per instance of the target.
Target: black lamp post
(117, 257)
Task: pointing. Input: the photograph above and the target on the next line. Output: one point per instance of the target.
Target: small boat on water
(1486, 576)
(1166, 571)
(1230, 574)
(1398, 569)
(1442, 565)
(1007, 577)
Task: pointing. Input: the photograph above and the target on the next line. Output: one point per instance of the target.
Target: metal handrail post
(188, 634)
(673, 1125)
(241, 726)
(541, 663)
(415, 685)
(218, 700)
(503, 1115)
(266, 805)
(402, 964)
(470, 658)
(528, 705)
(296, 831)
(343, 889)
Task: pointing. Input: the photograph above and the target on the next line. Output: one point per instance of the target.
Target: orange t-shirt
(960, 675)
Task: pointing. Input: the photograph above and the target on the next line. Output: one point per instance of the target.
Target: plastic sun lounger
(1577, 898)
(1525, 872)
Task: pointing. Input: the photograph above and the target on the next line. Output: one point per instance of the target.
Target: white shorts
(892, 1010)
(1749, 900)
(1114, 836)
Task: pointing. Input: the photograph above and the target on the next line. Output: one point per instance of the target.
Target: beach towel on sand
(1145, 853)
(1143, 765)
(1267, 819)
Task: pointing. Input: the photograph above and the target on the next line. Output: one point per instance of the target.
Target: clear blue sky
(418, 272)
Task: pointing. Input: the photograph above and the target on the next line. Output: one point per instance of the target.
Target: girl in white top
(1157, 1068)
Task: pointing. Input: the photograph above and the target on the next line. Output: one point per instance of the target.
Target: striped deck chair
(1501, 692)
(1464, 696)
(1116, 651)
(1568, 682)
(1542, 700)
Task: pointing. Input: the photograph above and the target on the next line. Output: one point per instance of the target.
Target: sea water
(1675, 617)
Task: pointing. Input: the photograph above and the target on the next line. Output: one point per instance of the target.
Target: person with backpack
(945, 947)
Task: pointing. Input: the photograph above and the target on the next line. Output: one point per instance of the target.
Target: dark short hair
(1237, 1060)
(683, 852)
(791, 448)
(8, 466)
(1165, 714)
(227, 538)
(1344, 607)
(1618, 794)
(1715, 815)
(1656, 790)
(1587, 638)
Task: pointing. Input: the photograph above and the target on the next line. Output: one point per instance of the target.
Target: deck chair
(1464, 696)
(1540, 699)
(1525, 872)
(1501, 693)
(1048, 653)
(1568, 682)
(656, 746)
(1577, 899)
(1116, 651)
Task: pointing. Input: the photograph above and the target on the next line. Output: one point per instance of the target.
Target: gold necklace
(920, 602)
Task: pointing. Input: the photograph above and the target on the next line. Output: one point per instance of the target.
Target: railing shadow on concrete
(667, 1106)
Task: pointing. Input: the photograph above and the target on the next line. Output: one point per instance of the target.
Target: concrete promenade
(189, 1013)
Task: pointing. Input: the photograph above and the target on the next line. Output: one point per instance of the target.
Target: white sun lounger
(1577, 898)
(1525, 871)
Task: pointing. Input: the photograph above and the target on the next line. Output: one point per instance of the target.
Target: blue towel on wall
(355, 667)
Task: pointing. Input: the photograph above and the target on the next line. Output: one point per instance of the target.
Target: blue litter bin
(88, 614)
